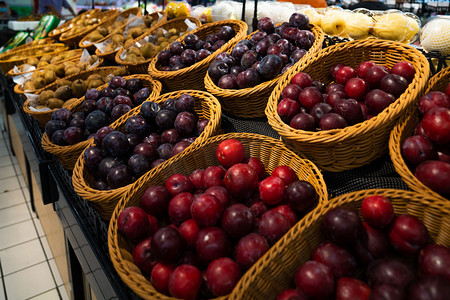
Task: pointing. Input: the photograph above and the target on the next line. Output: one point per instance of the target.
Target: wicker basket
(137, 11)
(251, 102)
(42, 117)
(142, 66)
(274, 272)
(78, 53)
(44, 41)
(193, 77)
(207, 106)
(405, 128)
(7, 62)
(111, 55)
(354, 146)
(72, 40)
(68, 155)
(56, 33)
(270, 151)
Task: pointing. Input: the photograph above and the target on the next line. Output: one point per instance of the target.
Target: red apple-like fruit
(230, 152)
(286, 173)
(273, 226)
(291, 294)
(241, 181)
(188, 231)
(212, 243)
(344, 74)
(300, 195)
(417, 149)
(287, 212)
(250, 248)
(206, 210)
(222, 275)
(377, 100)
(374, 76)
(309, 97)
(302, 80)
(220, 193)
(351, 289)
(257, 165)
(390, 270)
(339, 260)
(178, 183)
(213, 176)
(404, 69)
(315, 280)
(155, 200)
(435, 175)
(303, 121)
(332, 121)
(408, 235)
(434, 260)
(142, 256)
(350, 110)
(356, 88)
(185, 282)
(363, 67)
(196, 178)
(436, 125)
(373, 244)
(237, 220)
(334, 68)
(288, 108)
(133, 223)
(167, 245)
(180, 208)
(377, 211)
(160, 277)
(291, 91)
(271, 190)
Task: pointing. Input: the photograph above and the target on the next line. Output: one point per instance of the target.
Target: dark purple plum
(226, 58)
(104, 104)
(163, 57)
(107, 92)
(303, 40)
(184, 103)
(387, 292)
(257, 37)
(273, 37)
(54, 125)
(106, 165)
(73, 135)
(248, 78)
(303, 121)
(134, 85)
(77, 122)
(248, 59)
(165, 119)
(119, 176)
(290, 34)
(147, 150)
(188, 57)
(212, 38)
(138, 164)
(137, 125)
(177, 67)
(119, 110)
(153, 139)
(157, 162)
(201, 125)
(266, 24)
(101, 133)
(239, 50)
(57, 138)
(296, 55)
(133, 139)
(217, 69)
(62, 114)
(185, 123)
(141, 95)
(167, 245)
(122, 91)
(201, 54)
(191, 40)
(392, 271)
(176, 48)
(92, 94)
(350, 110)
(217, 45)
(88, 106)
(179, 147)
(430, 288)
(226, 33)
(332, 121)
(170, 136)
(319, 110)
(175, 60)
(100, 185)
(149, 110)
(280, 28)
(95, 120)
(262, 46)
(320, 85)
(235, 70)
(270, 66)
(227, 81)
(117, 81)
(93, 156)
(165, 150)
(115, 144)
(299, 20)
(286, 67)
(341, 225)
(199, 45)
(121, 99)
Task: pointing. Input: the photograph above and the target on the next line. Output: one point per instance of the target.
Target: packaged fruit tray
(56, 33)
(206, 107)
(285, 263)
(88, 41)
(43, 116)
(72, 39)
(349, 146)
(11, 59)
(250, 102)
(142, 66)
(435, 174)
(192, 76)
(189, 172)
(67, 154)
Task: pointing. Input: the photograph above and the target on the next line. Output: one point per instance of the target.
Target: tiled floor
(27, 266)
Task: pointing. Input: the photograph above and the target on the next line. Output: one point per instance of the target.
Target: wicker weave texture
(353, 146)
(137, 11)
(68, 155)
(274, 272)
(142, 66)
(58, 31)
(405, 128)
(6, 63)
(42, 117)
(73, 39)
(252, 102)
(193, 77)
(44, 41)
(207, 106)
(270, 151)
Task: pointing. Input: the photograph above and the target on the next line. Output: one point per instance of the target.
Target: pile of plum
(193, 49)
(100, 108)
(354, 96)
(268, 53)
(217, 222)
(158, 133)
(394, 253)
(427, 152)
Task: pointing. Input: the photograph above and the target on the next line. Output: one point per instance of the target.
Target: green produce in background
(15, 41)
(46, 24)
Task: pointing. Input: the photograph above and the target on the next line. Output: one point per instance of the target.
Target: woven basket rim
(396, 136)
(111, 13)
(19, 90)
(315, 216)
(213, 88)
(123, 267)
(93, 11)
(81, 186)
(147, 33)
(125, 14)
(10, 73)
(30, 51)
(385, 116)
(208, 60)
(47, 41)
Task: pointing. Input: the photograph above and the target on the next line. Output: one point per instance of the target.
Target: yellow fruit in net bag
(205, 16)
(358, 26)
(393, 26)
(435, 36)
(181, 10)
(170, 9)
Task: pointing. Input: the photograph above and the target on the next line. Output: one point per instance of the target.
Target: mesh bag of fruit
(243, 77)
(339, 107)
(419, 145)
(158, 131)
(208, 203)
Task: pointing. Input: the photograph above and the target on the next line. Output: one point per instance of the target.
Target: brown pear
(45, 95)
(64, 93)
(72, 71)
(148, 50)
(46, 57)
(59, 70)
(54, 103)
(61, 82)
(42, 64)
(95, 36)
(32, 61)
(95, 83)
(160, 32)
(134, 50)
(39, 82)
(29, 86)
(102, 30)
(83, 65)
(79, 87)
(93, 77)
(49, 76)
(70, 102)
(117, 38)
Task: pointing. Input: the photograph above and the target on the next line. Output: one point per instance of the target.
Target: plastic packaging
(435, 35)
(177, 9)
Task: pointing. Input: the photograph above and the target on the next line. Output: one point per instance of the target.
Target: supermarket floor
(27, 267)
